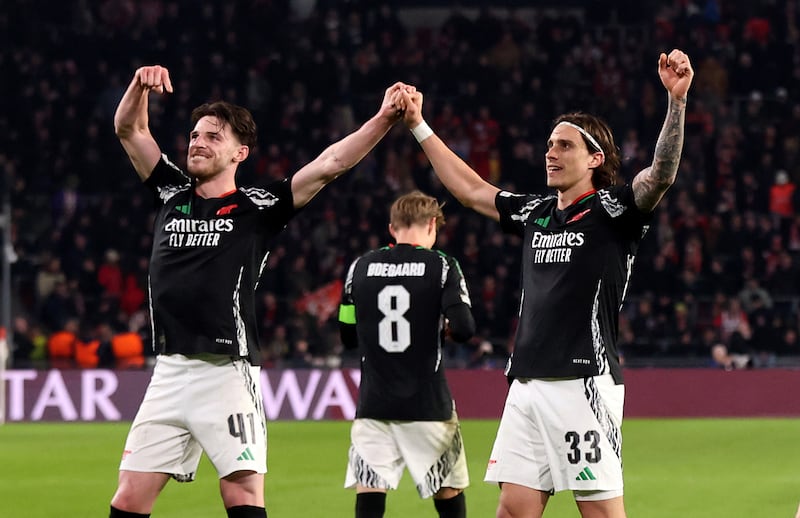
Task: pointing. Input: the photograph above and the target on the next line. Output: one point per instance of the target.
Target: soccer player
(397, 303)
(211, 242)
(560, 428)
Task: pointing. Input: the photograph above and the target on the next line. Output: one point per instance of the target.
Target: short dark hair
(239, 119)
(604, 175)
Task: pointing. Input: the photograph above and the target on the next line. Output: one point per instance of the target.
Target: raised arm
(131, 118)
(346, 153)
(459, 178)
(652, 182)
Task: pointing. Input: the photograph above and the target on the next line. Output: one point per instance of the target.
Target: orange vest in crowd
(86, 354)
(66, 351)
(61, 349)
(128, 350)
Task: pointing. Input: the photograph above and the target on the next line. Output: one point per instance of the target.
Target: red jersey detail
(583, 196)
(579, 215)
(226, 209)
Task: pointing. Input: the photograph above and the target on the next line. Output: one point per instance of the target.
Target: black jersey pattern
(208, 255)
(576, 265)
(399, 296)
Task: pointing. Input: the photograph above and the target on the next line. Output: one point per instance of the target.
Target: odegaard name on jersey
(396, 270)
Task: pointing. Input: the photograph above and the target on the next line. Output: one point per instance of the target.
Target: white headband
(585, 134)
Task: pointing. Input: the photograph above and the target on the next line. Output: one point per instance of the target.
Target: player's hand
(154, 77)
(410, 101)
(676, 73)
(390, 107)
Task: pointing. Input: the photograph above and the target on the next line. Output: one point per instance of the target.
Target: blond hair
(415, 208)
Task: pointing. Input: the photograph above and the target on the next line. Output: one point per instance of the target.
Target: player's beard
(205, 170)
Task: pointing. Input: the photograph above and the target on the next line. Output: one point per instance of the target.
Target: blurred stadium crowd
(717, 281)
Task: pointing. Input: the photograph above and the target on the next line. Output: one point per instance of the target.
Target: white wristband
(421, 131)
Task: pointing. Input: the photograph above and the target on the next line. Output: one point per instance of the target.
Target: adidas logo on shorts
(586, 474)
(248, 455)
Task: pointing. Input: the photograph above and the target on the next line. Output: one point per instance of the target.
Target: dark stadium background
(720, 263)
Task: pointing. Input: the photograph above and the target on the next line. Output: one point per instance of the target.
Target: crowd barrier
(314, 394)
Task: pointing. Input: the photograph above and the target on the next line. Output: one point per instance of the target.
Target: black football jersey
(397, 296)
(576, 264)
(208, 255)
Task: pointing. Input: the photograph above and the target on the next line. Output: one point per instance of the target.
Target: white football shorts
(199, 403)
(432, 450)
(561, 434)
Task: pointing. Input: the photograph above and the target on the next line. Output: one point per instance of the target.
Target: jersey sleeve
(165, 179)
(455, 286)
(275, 201)
(456, 302)
(620, 205)
(514, 210)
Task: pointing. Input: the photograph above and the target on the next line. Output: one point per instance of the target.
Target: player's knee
(243, 488)
(136, 493)
(128, 502)
(507, 507)
(518, 501)
(503, 511)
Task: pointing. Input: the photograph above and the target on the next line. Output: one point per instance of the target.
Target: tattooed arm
(651, 183)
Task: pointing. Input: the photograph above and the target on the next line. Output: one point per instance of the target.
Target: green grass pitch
(704, 468)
